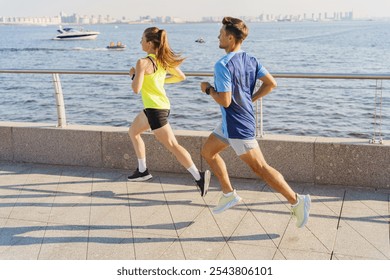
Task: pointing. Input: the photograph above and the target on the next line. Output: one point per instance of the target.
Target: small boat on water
(117, 46)
(200, 40)
(69, 33)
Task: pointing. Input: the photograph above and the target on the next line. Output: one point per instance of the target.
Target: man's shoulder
(223, 61)
(242, 60)
(242, 55)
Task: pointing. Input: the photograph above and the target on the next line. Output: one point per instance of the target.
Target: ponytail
(165, 55)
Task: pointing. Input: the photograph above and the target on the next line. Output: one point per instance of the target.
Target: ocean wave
(50, 49)
(30, 49)
(89, 49)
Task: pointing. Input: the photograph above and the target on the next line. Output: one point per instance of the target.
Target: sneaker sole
(307, 209)
(207, 177)
(141, 179)
(227, 206)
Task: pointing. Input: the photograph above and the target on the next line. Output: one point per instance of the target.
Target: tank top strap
(152, 58)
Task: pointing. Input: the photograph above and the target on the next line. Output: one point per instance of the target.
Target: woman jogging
(149, 77)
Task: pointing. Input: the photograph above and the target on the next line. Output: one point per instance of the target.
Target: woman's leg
(139, 125)
(166, 137)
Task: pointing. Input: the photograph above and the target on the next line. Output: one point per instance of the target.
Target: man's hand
(204, 85)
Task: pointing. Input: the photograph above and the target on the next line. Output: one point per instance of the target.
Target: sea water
(334, 108)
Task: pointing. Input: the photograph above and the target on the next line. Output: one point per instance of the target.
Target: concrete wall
(334, 161)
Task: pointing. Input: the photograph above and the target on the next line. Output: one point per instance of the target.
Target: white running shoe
(226, 202)
(301, 210)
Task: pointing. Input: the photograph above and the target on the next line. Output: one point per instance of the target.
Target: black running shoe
(203, 182)
(140, 177)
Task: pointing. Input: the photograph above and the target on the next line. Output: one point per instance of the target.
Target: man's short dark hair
(236, 27)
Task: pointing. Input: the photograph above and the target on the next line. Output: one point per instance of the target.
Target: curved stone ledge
(319, 160)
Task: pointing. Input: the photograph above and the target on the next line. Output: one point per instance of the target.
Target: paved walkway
(58, 212)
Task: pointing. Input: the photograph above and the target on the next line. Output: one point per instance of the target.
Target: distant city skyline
(108, 19)
(191, 9)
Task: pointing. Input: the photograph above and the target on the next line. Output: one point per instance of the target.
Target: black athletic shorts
(157, 117)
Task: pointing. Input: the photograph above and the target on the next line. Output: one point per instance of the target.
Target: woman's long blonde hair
(165, 55)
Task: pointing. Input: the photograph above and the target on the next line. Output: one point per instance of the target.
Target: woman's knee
(172, 146)
(131, 132)
(168, 142)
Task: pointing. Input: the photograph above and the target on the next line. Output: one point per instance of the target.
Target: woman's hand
(176, 75)
(132, 72)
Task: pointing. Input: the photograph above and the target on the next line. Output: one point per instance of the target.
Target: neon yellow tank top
(152, 90)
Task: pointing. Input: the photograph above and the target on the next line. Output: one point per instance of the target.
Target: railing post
(259, 118)
(61, 116)
(378, 111)
(378, 127)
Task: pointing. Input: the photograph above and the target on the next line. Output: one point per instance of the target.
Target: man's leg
(300, 203)
(210, 153)
(255, 159)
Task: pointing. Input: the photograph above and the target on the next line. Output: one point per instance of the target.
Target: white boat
(75, 34)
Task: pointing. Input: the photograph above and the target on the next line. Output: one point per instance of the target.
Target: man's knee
(204, 153)
(259, 167)
(207, 154)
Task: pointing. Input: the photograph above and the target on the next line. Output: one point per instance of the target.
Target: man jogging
(235, 77)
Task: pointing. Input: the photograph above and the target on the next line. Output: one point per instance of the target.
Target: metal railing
(61, 114)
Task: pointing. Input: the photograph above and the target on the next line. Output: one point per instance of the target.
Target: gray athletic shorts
(240, 146)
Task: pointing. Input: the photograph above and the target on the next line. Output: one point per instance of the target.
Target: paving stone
(76, 213)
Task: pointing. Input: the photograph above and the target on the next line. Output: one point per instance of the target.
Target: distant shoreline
(186, 22)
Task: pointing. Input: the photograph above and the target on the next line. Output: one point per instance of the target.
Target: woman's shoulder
(143, 61)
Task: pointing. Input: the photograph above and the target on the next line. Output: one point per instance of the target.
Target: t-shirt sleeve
(222, 78)
(262, 71)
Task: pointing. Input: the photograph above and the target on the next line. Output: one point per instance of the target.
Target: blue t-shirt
(238, 72)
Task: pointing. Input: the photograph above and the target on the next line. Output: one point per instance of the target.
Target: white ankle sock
(141, 164)
(228, 194)
(194, 172)
(296, 203)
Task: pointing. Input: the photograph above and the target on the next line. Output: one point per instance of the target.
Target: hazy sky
(190, 9)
